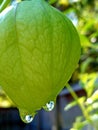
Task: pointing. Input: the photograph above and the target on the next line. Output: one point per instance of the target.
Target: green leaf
(84, 41)
(85, 64)
(74, 103)
(94, 96)
(1, 1)
(52, 1)
(88, 82)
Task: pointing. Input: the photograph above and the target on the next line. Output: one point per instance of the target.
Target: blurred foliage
(1, 1)
(84, 15)
(5, 102)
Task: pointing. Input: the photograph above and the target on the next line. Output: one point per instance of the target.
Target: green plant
(89, 104)
(87, 27)
(39, 50)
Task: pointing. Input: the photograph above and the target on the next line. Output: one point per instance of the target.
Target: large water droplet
(26, 118)
(49, 106)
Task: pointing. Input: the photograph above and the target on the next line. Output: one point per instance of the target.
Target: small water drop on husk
(49, 106)
(26, 118)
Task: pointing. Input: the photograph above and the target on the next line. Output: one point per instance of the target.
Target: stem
(4, 5)
(74, 95)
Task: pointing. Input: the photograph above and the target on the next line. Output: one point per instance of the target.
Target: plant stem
(74, 95)
(4, 4)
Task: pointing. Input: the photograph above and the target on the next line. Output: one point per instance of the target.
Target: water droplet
(49, 106)
(26, 118)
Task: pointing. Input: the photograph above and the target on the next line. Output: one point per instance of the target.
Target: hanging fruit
(39, 51)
